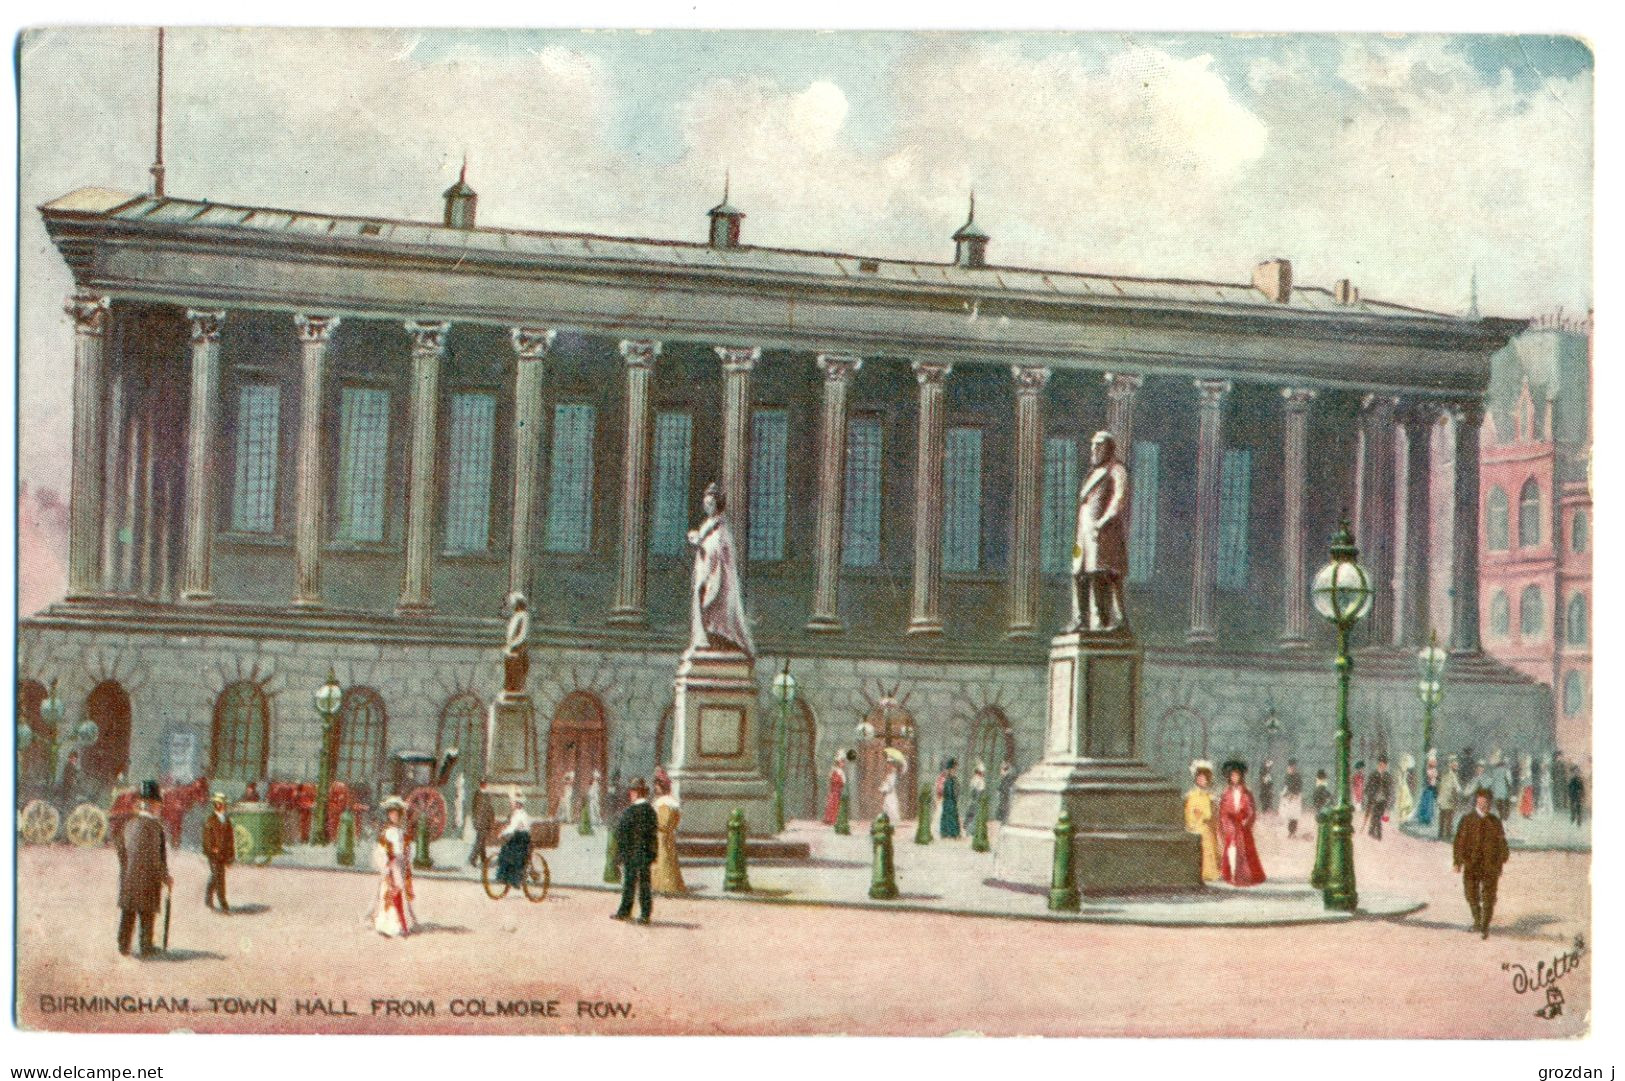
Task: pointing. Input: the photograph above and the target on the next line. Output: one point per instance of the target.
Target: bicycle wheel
(538, 879)
(495, 890)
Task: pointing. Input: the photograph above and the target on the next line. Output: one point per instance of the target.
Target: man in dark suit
(635, 851)
(1480, 852)
(1379, 789)
(484, 816)
(143, 871)
(220, 849)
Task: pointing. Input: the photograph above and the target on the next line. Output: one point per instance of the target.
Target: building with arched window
(501, 409)
(1536, 441)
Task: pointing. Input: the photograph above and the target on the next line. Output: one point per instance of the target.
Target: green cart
(257, 828)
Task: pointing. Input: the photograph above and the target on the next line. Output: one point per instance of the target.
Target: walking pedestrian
(220, 849)
(143, 866)
(1239, 861)
(1500, 783)
(1266, 788)
(949, 821)
(1404, 790)
(837, 784)
(1479, 853)
(1577, 795)
(636, 841)
(483, 817)
(1427, 806)
(1450, 797)
(1199, 817)
(666, 876)
(392, 914)
(1378, 791)
(1007, 788)
(1292, 797)
(978, 786)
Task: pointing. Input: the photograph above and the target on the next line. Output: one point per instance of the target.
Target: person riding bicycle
(515, 853)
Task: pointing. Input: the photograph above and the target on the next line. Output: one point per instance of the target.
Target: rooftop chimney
(1273, 278)
(1345, 293)
(461, 201)
(970, 243)
(725, 221)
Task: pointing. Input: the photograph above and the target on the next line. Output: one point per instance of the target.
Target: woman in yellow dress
(666, 876)
(1199, 818)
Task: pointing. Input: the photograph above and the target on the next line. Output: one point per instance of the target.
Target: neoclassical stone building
(304, 440)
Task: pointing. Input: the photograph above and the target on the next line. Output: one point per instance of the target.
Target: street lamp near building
(329, 698)
(784, 691)
(51, 713)
(1430, 664)
(1342, 594)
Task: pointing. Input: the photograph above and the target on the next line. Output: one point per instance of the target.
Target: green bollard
(584, 827)
(612, 862)
(883, 885)
(979, 841)
(922, 829)
(735, 879)
(843, 817)
(421, 859)
(1317, 877)
(345, 853)
(1063, 895)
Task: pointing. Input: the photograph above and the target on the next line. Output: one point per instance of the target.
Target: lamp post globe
(1342, 594)
(329, 700)
(784, 691)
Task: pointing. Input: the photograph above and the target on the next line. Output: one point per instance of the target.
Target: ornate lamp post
(784, 691)
(1342, 594)
(329, 697)
(1430, 664)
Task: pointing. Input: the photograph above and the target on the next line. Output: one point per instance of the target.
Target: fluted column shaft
(1029, 483)
(530, 346)
(1295, 486)
(1120, 391)
(737, 363)
(112, 486)
(315, 331)
(838, 372)
(428, 346)
(91, 315)
(629, 590)
(1374, 522)
(1205, 537)
(1410, 629)
(200, 464)
(927, 613)
(1464, 553)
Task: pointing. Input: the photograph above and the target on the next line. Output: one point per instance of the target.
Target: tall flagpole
(158, 163)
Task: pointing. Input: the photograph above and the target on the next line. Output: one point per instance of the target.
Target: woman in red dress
(1238, 856)
(837, 781)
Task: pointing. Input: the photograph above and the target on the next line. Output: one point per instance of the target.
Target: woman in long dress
(392, 859)
(1526, 798)
(888, 794)
(837, 783)
(1428, 804)
(567, 798)
(1199, 818)
(594, 798)
(515, 852)
(1238, 855)
(666, 875)
(1404, 794)
(950, 799)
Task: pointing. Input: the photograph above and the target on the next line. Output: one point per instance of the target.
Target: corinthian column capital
(428, 337)
(931, 371)
(838, 367)
(315, 328)
(1297, 398)
(1030, 379)
(640, 353)
(206, 326)
(738, 358)
(531, 343)
(89, 313)
(1122, 384)
(1212, 391)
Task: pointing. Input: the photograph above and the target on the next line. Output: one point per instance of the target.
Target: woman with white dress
(392, 859)
(595, 808)
(888, 794)
(514, 856)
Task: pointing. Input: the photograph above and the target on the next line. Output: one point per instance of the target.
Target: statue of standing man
(1100, 556)
(516, 648)
(717, 608)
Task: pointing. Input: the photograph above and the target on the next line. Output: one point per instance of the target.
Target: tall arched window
(1532, 613)
(1580, 531)
(1575, 618)
(363, 727)
(1495, 520)
(1529, 515)
(462, 725)
(1574, 694)
(240, 748)
(1500, 615)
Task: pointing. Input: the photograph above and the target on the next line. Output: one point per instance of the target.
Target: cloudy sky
(1400, 162)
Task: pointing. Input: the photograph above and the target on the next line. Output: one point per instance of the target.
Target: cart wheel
(537, 878)
(39, 822)
(428, 807)
(496, 891)
(87, 825)
(245, 842)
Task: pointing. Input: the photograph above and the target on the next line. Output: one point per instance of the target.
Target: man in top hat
(635, 841)
(143, 853)
(1479, 854)
(1379, 791)
(220, 849)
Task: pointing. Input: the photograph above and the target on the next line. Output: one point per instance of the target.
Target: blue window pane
(468, 473)
(962, 499)
(1058, 527)
(569, 505)
(1235, 509)
(363, 461)
(860, 534)
(1144, 478)
(674, 438)
(769, 443)
(253, 495)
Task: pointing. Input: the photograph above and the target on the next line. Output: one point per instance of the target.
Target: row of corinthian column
(1386, 531)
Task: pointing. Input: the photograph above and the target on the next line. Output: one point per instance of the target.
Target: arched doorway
(109, 706)
(577, 742)
(800, 746)
(363, 729)
(887, 726)
(1183, 735)
(34, 763)
(462, 725)
(991, 742)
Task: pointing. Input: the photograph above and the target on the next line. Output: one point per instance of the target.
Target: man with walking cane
(143, 854)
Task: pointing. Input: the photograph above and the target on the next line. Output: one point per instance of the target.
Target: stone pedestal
(714, 768)
(1128, 821)
(512, 757)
